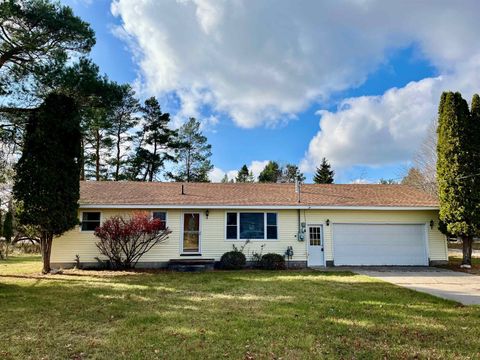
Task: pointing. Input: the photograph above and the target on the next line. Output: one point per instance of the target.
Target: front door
(191, 233)
(316, 251)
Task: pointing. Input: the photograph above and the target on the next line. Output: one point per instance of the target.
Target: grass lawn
(231, 315)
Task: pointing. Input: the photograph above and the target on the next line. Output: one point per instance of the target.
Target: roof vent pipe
(183, 192)
(297, 189)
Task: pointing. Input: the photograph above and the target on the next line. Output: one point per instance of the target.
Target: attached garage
(379, 244)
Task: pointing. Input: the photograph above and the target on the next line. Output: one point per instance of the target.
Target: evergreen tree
(225, 179)
(36, 38)
(194, 155)
(122, 121)
(251, 177)
(457, 168)
(271, 173)
(324, 174)
(243, 174)
(291, 173)
(47, 173)
(156, 143)
(383, 181)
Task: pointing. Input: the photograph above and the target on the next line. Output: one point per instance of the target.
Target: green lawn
(231, 315)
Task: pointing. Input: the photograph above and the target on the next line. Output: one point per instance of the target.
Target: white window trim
(264, 225)
(200, 231)
(160, 210)
(81, 220)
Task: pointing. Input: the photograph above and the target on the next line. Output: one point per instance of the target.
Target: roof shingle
(251, 194)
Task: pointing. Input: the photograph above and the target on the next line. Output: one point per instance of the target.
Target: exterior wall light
(328, 222)
(207, 212)
(432, 224)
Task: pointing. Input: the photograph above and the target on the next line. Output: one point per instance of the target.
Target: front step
(185, 265)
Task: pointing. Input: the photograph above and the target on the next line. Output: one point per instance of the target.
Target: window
(162, 216)
(251, 226)
(232, 225)
(272, 226)
(90, 221)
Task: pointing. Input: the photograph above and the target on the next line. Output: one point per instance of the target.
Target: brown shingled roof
(251, 194)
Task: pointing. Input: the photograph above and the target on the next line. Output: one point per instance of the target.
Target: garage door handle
(322, 248)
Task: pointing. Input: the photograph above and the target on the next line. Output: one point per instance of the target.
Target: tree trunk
(82, 160)
(46, 248)
(117, 167)
(97, 156)
(467, 250)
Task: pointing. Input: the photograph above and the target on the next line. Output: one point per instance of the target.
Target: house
(325, 225)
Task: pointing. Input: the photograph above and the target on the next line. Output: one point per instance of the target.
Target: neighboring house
(323, 224)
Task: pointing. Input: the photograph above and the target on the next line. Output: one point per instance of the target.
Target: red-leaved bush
(125, 240)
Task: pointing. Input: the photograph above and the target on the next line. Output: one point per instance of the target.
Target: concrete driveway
(447, 284)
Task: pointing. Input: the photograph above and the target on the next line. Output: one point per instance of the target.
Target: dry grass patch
(234, 315)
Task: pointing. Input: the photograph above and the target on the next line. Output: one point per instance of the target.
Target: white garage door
(379, 244)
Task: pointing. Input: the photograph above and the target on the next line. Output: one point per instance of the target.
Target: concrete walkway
(461, 287)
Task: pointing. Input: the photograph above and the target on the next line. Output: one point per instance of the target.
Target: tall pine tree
(156, 143)
(457, 169)
(271, 173)
(47, 174)
(194, 154)
(324, 174)
(242, 175)
(122, 121)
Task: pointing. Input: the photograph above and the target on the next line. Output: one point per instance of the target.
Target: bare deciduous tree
(423, 173)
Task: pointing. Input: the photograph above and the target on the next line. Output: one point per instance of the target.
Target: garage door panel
(379, 244)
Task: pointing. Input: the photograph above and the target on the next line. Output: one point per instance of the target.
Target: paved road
(461, 287)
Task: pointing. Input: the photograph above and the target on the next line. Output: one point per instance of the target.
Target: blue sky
(293, 90)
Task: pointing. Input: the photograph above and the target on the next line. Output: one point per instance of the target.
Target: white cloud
(263, 61)
(386, 129)
(360, 181)
(217, 174)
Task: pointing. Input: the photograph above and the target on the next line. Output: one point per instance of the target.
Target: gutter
(255, 207)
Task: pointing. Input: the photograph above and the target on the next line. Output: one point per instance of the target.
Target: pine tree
(122, 121)
(224, 179)
(251, 177)
(271, 173)
(46, 181)
(156, 144)
(324, 174)
(291, 173)
(194, 155)
(457, 168)
(243, 174)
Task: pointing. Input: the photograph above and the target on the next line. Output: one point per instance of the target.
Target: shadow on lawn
(289, 314)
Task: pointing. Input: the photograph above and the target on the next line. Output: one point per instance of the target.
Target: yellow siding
(214, 244)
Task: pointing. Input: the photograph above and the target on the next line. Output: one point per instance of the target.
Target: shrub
(125, 241)
(272, 261)
(233, 260)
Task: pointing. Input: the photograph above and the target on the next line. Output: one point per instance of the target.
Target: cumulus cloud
(217, 174)
(263, 61)
(386, 129)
